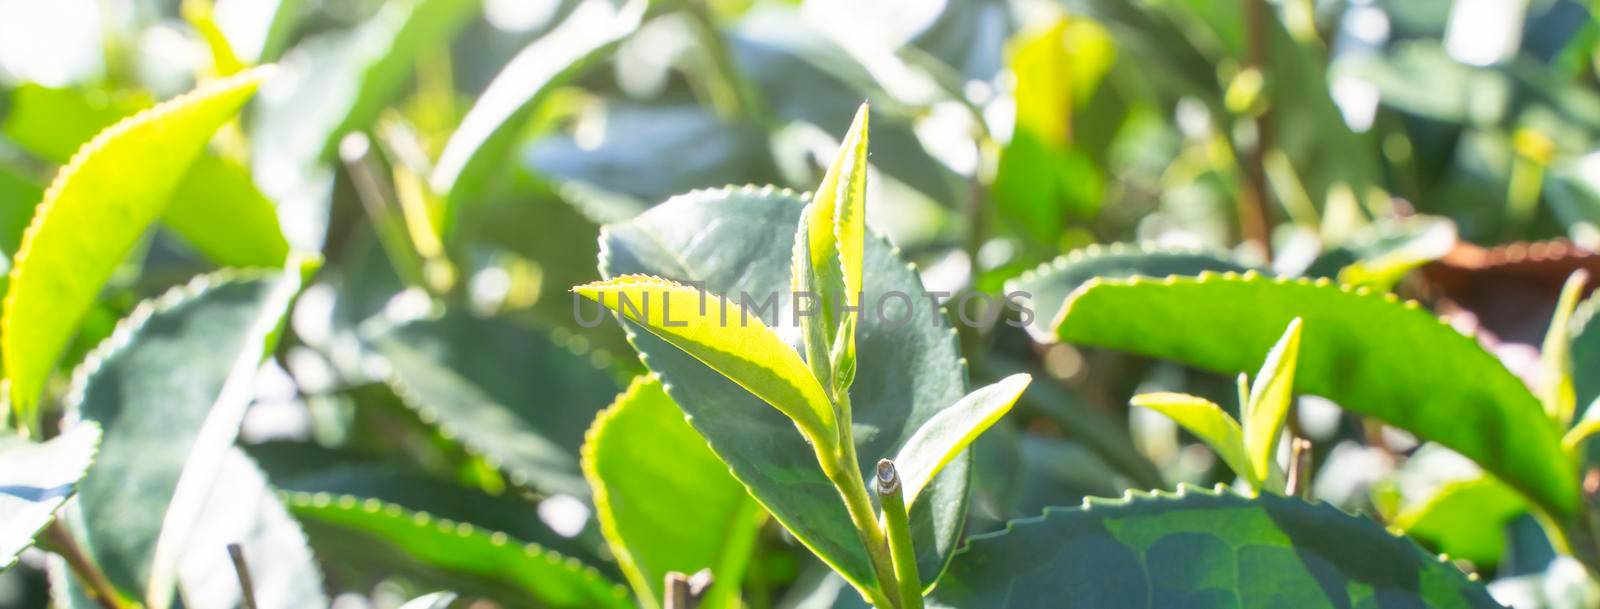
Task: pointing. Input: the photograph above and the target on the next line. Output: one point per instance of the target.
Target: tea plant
(446, 303)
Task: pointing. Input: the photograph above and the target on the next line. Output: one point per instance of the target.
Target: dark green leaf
(509, 393)
(170, 388)
(1196, 548)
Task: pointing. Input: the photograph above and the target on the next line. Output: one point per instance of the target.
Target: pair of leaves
(1371, 354)
(195, 353)
(1197, 548)
(99, 205)
(661, 515)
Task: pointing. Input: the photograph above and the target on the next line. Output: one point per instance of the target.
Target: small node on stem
(686, 591)
(897, 526)
(1299, 484)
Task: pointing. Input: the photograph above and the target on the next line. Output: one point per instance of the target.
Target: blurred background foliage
(453, 160)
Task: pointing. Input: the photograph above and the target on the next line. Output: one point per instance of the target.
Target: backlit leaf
(98, 206)
(949, 433)
(1211, 424)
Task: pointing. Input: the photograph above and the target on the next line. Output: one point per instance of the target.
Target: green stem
(898, 525)
(843, 469)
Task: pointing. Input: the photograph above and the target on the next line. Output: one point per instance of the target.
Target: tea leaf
(649, 468)
(454, 555)
(1211, 424)
(35, 479)
(478, 148)
(834, 226)
(218, 209)
(1200, 548)
(1371, 354)
(1270, 398)
(98, 206)
(169, 388)
(1048, 286)
(1465, 519)
(726, 337)
(911, 368)
(949, 433)
(1556, 389)
(506, 392)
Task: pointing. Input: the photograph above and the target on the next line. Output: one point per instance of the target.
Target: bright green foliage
(490, 130)
(726, 337)
(506, 392)
(169, 388)
(666, 502)
(1199, 548)
(833, 229)
(99, 205)
(1465, 519)
(218, 209)
(459, 556)
(35, 479)
(915, 371)
(949, 433)
(1370, 354)
(54, 123)
(1049, 285)
(1271, 396)
(1211, 424)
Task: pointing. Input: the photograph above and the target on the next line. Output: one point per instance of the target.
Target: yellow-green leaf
(648, 468)
(952, 430)
(834, 228)
(726, 337)
(1555, 358)
(93, 213)
(218, 209)
(1268, 407)
(1208, 422)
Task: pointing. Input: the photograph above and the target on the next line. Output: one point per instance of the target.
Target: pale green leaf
(834, 228)
(170, 388)
(1370, 353)
(35, 479)
(437, 600)
(952, 430)
(99, 205)
(665, 502)
(1270, 398)
(726, 337)
(1556, 389)
(1198, 548)
(218, 209)
(1208, 422)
